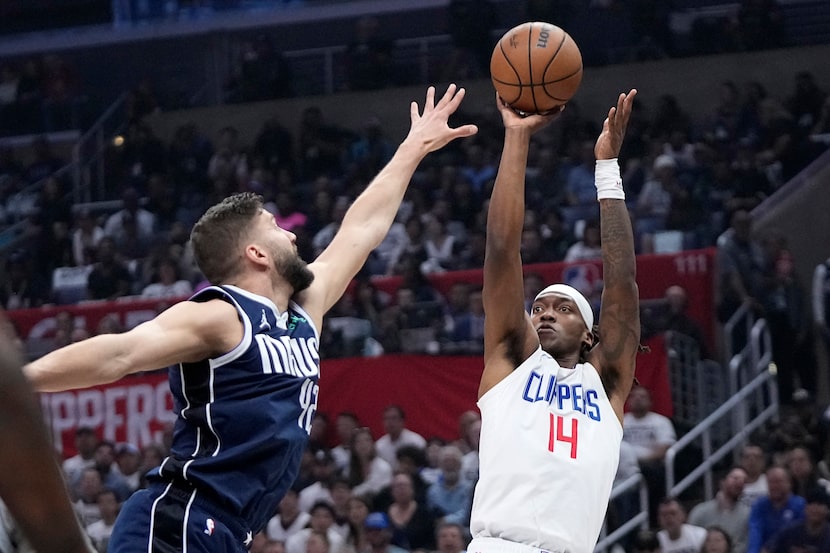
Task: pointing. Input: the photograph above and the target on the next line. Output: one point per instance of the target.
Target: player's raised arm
(186, 332)
(509, 337)
(619, 317)
(368, 219)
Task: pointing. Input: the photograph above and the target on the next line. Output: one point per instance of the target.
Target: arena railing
(750, 407)
(640, 520)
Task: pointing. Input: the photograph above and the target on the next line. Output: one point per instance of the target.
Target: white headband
(577, 297)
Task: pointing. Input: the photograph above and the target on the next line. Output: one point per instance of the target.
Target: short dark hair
(217, 234)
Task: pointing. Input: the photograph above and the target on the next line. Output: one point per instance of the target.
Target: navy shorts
(169, 519)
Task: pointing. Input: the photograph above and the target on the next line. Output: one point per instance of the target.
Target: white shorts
(498, 545)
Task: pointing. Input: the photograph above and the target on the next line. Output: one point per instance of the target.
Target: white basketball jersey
(550, 444)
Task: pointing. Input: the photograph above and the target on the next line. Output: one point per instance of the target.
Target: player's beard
(294, 270)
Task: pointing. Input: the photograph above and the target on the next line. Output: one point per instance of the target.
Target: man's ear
(255, 254)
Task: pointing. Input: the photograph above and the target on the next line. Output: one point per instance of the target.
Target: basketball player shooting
(552, 393)
(246, 357)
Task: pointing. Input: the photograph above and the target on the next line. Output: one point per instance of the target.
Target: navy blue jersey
(244, 417)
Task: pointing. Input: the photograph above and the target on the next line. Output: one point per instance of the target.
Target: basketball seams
(530, 67)
(515, 72)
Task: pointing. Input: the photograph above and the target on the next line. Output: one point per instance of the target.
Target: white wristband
(608, 181)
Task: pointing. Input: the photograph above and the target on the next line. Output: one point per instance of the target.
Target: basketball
(536, 67)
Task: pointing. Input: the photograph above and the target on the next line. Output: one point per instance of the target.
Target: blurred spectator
(810, 534)
(449, 498)
(141, 100)
(412, 525)
(726, 510)
(441, 247)
(802, 468)
(322, 520)
(188, 156)
(588, 246)
(22, 287)
(654, 200)
(379, 534)
(579, 187)
(110, 278)
(131, 209)
(228, 160)
(645, 541)
(651, 434)
(367, 473)
(369, 57)
(784, 310)
(166, 282)
(369, 152)
(30, 97)
(86, 235)
(323, 474)
(741, 266)
(675, 535)
(772, 513)
(273, 145)
(100, 531)
(717, 541)
(128, 464)
(321, 145)
(450, 538)
(289, 519)
(464, 327)
(346, 423)
(359, 508)
(141, 155)
(111, 477)
(85, 493)
(85, 444)
(324, 236)
(397, 435)
(675, 318)
(806, 101)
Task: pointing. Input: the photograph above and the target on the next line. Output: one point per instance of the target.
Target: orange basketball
(536, 67)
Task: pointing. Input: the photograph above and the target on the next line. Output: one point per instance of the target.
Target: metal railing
(640, 520)
(755, 403)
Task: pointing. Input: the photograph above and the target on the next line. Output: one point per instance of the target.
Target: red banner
(433, 391)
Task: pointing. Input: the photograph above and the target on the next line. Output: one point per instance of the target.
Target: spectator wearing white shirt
(100, 531)
(397, 435)
(289, 519)
(144, 220)
(754, 462)
(167, 283)
(675, 535)
(651, 435)
(322, 520)
(726, 511)
(323, 473)
(85, 238)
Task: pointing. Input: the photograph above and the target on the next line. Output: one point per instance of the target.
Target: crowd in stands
(404, 492)
(687, 181)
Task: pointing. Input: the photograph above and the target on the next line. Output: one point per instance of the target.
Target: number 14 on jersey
(560, 433)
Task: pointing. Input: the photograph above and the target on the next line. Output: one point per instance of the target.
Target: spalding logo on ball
(536, 67)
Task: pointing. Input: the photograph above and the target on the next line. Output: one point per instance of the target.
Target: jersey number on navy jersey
(308, 404)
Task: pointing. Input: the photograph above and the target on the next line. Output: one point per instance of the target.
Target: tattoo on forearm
(617, 242)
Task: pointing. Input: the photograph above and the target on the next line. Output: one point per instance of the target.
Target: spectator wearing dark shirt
(809, 535)
(109, 278)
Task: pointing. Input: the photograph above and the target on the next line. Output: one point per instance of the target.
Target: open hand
(613, 128)
(430, 129)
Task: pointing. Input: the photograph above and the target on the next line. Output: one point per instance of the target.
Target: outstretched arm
(368, 219)
(186, 332)
(508, 334)
(31, 484)
(619, 317)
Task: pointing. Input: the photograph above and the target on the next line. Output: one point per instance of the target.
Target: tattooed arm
(619, 317)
